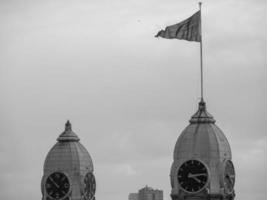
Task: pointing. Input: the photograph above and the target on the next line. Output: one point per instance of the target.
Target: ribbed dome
(202, 138)
(68, 154)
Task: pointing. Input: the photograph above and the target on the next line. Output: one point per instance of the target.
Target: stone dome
(203, 140)
(68, 154)
(70, 157)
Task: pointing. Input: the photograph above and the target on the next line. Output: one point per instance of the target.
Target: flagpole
(201, 57)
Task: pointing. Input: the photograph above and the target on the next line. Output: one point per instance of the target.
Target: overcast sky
(127, 94)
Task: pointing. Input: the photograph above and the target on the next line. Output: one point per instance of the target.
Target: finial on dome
(202, 115)
(68, 126)
(202, 105)
(68, 134)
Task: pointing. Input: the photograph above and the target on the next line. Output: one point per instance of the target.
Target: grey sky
(128, 94)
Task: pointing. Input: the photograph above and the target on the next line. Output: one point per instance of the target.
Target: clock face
(57, 185)
(89, 186)
(192, 176)
(229, 177)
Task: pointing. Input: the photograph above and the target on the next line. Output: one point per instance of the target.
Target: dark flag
(188, 29)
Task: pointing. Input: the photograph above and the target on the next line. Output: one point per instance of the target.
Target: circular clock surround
(192, 176)
(57, 185)
(89, 186)
(229, 176)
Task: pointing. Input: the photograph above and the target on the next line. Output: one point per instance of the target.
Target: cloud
(127, 94)
(122, 170)
(250, 162)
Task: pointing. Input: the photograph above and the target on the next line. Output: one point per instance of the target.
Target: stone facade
(147, 193)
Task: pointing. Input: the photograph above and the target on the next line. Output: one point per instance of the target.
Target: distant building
(158, 194)
(147, 193)
(133, 196)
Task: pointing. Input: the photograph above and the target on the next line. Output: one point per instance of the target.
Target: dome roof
(68, 154)
(202, 138)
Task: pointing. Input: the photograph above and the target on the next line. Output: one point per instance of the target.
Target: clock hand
(196, 179)
(229, 179)
(54, 182)
(196, 175)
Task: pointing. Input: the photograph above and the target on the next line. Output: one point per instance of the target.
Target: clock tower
(202, 168)
(68, 170)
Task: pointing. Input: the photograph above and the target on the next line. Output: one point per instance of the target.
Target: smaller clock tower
(68, 170)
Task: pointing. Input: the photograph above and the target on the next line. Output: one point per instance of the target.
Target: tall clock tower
(68, 170)
(202, 168)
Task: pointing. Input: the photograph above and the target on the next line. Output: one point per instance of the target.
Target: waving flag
(188, 29)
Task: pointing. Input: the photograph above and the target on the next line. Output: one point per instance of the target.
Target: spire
(68, 126)
(202, 115)
(68, 134)
(202, 105)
